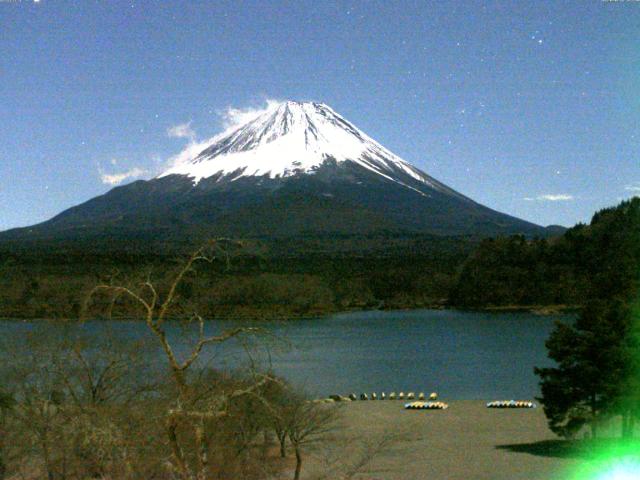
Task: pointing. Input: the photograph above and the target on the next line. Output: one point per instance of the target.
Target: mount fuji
(298, 169)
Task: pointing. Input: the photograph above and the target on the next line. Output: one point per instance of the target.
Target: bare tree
(70, 409)
(308, 423)
(7, 403)
(280, 399)
(193, 409)
(39, 414)
(344, 458)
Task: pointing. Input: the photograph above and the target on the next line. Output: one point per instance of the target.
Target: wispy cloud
(230, 119)
(233, 117)
(182, 130)
(114, 179)
(550, 197)
(189, 152)
(633, 187)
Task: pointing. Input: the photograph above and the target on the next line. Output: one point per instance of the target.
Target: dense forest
(277, 278)
(596, 368)
(561, 271)
(298, 277)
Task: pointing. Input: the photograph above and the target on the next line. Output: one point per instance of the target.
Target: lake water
(460, 355)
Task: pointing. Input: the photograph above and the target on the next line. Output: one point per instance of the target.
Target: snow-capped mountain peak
(293, 138)
(295, 170)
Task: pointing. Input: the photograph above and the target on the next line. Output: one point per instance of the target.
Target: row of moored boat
(511, 404)
(384, 396)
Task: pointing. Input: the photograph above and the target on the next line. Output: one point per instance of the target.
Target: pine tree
(598, 358)
(591, 368)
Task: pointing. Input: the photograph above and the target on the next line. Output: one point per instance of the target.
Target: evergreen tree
(628, 397)
(591, 368)
(598, 358)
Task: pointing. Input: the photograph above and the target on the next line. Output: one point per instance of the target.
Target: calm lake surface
(460, 355)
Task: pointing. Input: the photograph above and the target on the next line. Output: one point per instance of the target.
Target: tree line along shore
(312, 277)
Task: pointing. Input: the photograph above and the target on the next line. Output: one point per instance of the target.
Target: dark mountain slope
(297, 170)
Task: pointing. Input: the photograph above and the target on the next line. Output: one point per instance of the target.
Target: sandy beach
(466, 441)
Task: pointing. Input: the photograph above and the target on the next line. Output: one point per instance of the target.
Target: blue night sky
(529, 107)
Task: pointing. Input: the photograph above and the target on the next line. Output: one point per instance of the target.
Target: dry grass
(467, 441)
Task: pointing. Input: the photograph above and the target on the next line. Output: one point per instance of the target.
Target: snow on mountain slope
(296, 169)
(294, 138)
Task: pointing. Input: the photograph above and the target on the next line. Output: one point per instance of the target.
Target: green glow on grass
(622, 471)
(617, 460)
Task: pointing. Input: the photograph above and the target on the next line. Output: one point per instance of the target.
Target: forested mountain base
(285, 278)
(314, 275)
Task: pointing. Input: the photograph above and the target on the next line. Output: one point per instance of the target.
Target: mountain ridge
(294, 138)
(299, 168)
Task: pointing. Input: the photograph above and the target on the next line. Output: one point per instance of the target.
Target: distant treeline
(276, 279)
(586, 261)
(314, 276)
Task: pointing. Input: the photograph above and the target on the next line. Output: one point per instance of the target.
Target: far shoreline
(540, 310)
